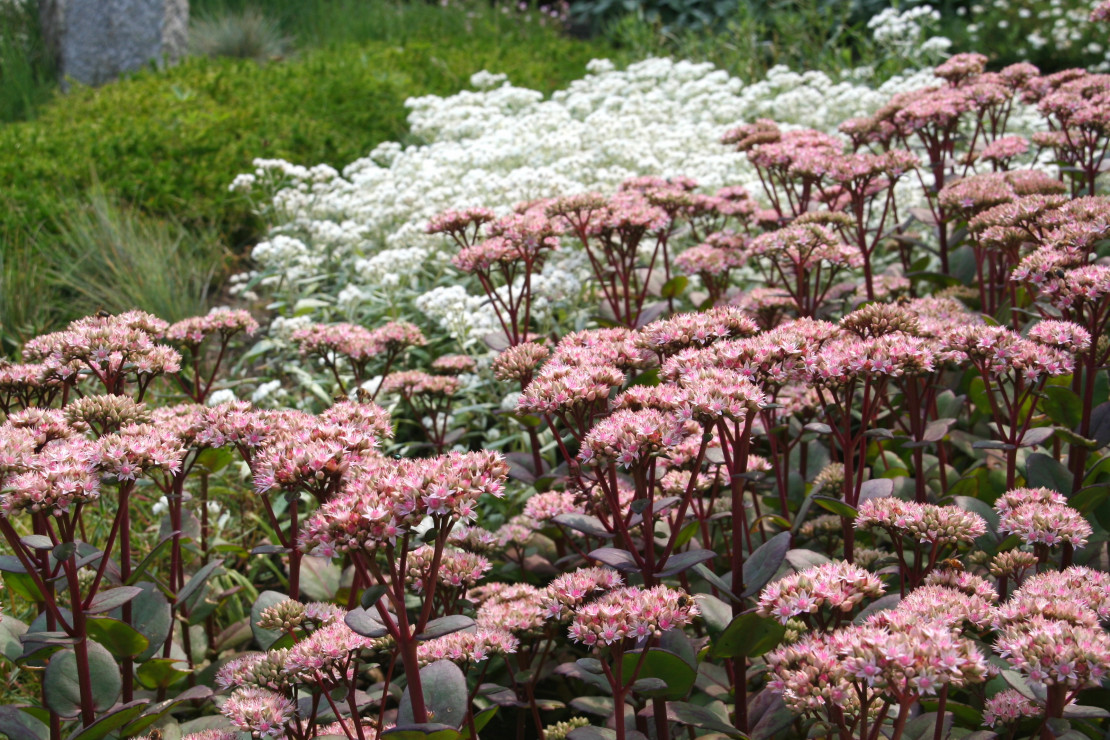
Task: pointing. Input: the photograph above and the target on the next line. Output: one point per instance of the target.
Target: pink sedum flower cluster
(631, 612)
(838, 586)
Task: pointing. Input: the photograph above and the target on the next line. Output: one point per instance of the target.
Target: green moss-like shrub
(171, 142)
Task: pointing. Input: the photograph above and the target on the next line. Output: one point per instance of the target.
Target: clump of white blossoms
(361, 234)
(906, 34)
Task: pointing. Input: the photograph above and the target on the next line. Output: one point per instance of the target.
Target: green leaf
(199, 579)
(1044, 471)
(937, 429)
(113, 598)
(977, 506)
(1100, 423)
(768, 716)
(977, 392)
(760, 567)
(836, 506)
(371, 595)
(590, 665)
(1088, 499)
(362, 621)
(110, 722)
(319, 578)
(159, 673)
(120, 639)
(1018, 682)
(924, 725)
(11, 629)
(1036, 436)
(156, 712)
(715, 580)
(215, 459)
(23, 585)
(881, 604)
(37, 542)
(589, 732)
(151, 558)
(1078, 711)
(675, 672)
(445, 695)
(716, 613)
(583, 523)
(39, 646)
(650, 687)
(11, 564)
(679, 643)
(749, 635)
(1062, 405)
(991, 444)
(151, 616)
(481, 719)
(686, 533)
(64, 551)
(800, 559)
(62, 692)
(647, 377)
(674, 287)
(679, 562)
(614, 557)
(18, 725)
(601, 706)
(695, 716)
(876, 488)
(445, 626)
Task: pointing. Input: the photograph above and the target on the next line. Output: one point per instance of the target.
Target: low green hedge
(172, 141)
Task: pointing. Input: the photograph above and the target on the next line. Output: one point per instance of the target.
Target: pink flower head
(1008, 706)
(568, 591)
(668, 336)
(192, 331)
(630, 438)
(518, 608)
(468, 646)
(631, 612)
(838, 585)
(927, 523)
(325, 657)
(1051, 651)
(260, 712)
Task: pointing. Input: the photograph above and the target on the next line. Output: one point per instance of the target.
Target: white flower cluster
(465, 317)
(502, 145)
(359, 237)
(905, 33)
(390, 267)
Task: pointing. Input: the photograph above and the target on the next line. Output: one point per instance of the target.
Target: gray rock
(94, 41)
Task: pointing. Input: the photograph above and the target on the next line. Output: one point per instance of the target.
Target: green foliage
(753, 37)
(23, 314)
(190, 129)
(1052, 34)
(26, 70)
